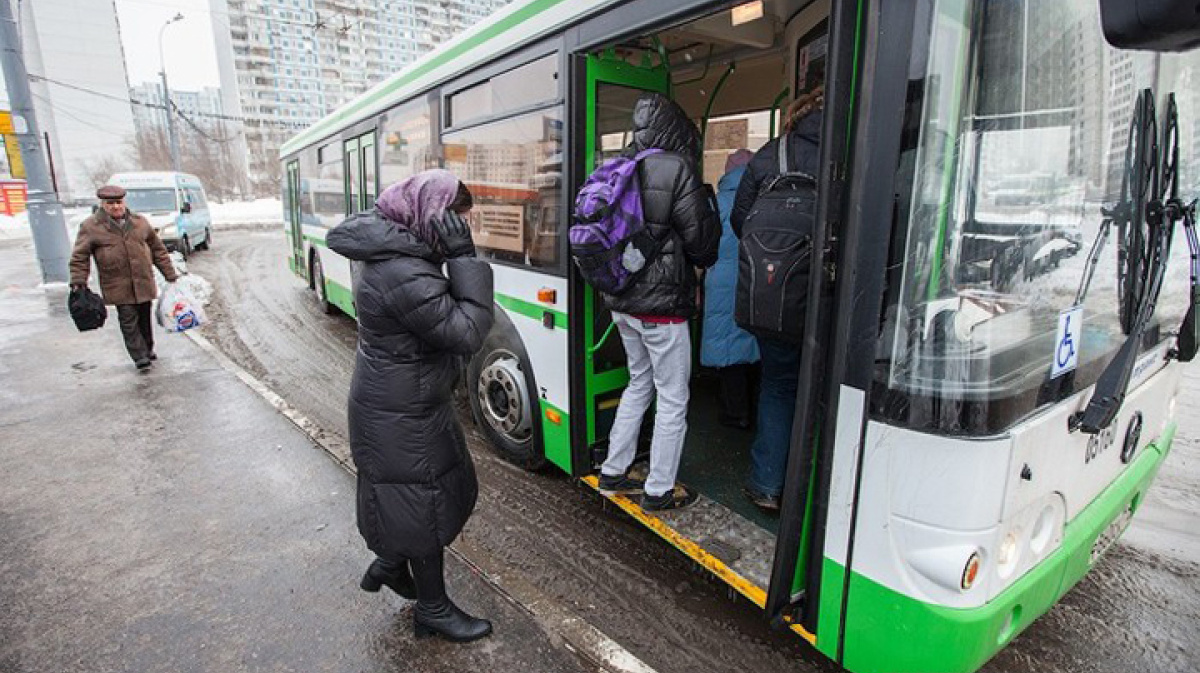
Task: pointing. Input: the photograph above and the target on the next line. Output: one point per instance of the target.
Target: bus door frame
(588, 72)
(793, 597)
(864, 120)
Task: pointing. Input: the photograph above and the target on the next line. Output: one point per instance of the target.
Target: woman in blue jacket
(725, 346)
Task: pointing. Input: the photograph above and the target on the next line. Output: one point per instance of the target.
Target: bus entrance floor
(174, 521)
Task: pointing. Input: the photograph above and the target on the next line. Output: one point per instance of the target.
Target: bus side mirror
(1151, 25)
(187, 208)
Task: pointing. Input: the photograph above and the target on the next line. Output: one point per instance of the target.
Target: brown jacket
(125, 257)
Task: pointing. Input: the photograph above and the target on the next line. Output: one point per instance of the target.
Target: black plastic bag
(87, 309)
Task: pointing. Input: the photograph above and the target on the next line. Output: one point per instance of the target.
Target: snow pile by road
(262, 213)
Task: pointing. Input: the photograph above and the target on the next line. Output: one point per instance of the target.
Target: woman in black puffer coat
(416, 481)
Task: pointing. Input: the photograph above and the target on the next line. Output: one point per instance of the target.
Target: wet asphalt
(1138, 610)
(174, 521)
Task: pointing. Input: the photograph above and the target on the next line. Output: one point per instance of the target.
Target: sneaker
(144, 363)
(153, 356)
(677, 498)
(769, 503)
(621, 484)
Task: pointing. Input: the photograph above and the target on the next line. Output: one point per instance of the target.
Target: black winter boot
(395, 575)
(435, 613)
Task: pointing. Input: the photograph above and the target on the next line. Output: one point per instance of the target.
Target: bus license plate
(1112, 533)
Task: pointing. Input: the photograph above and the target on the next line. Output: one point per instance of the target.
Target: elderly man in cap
(126, 249)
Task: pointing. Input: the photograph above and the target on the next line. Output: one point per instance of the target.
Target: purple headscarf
(414, 203)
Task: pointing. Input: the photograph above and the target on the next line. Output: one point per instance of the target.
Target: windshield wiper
(1146, 227)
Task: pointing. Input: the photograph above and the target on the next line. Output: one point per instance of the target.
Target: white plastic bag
(178, 310)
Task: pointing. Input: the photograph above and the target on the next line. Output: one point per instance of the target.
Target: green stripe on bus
(335, 120)
(556, 437)
(530, 309)
(340, 297)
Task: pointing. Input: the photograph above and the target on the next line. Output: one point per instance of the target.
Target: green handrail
(603, 338)
(713, 99)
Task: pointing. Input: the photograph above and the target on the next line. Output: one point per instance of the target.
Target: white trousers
(660, 360)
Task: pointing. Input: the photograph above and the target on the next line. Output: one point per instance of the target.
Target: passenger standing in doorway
(416, 482)
(126, 249)
(652, 314)
(780, 361)
(725, 346)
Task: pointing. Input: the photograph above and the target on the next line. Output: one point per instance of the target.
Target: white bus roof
(517, 24)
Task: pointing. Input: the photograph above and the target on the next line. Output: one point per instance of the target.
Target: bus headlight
(1009, 553)
(168, 232)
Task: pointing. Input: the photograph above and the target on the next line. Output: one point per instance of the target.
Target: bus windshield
(151, 200)
(1011, 150)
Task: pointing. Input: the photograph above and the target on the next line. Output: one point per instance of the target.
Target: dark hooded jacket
(416, 481)
(804, 144)
(679, 211)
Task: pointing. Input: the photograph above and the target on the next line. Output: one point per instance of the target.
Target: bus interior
(734, 73)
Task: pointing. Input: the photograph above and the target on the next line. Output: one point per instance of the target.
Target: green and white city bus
(988, 385)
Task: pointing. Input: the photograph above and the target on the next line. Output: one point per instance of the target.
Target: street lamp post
(174, 139)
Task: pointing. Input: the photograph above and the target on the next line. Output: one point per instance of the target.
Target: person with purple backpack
(676, 232)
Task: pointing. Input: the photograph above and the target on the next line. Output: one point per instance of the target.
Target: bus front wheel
(499, 388)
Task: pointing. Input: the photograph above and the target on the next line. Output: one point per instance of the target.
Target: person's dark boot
(435, 614)
(394, 576)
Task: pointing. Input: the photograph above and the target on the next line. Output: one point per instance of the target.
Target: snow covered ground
(260, 214)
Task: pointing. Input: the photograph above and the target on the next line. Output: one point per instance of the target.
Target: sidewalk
(174, 521)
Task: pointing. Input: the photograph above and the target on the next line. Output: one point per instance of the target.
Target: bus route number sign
(1066, 342)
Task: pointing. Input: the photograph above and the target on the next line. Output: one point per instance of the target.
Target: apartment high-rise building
(205, 107)
(284, 64)
(76, 65)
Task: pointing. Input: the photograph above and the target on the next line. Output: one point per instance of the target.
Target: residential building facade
(284, 64)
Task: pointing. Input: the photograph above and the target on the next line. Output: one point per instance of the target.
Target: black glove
(455, 235)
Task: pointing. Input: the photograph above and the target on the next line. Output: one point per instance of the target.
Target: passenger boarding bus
(988, 380)
(175, 205)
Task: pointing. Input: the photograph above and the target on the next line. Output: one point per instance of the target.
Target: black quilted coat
(416, 481)
(678, 208)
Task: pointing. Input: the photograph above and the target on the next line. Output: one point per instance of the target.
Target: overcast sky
(187, 44)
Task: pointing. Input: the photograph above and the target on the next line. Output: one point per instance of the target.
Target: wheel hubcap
(504, 400)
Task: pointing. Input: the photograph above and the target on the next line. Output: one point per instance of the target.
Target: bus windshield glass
(151, 200)
(1014, 141)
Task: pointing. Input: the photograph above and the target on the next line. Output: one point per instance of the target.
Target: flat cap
(110, 193)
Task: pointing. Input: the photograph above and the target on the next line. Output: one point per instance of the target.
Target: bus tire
(501, 390)
(185, 247)
(207, 244)
(317, 273)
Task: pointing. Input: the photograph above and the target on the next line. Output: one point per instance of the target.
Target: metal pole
(50, 159)
(45, 212)
(174, 139)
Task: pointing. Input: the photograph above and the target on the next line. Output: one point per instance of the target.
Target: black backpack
(774, 255)
(87, 309)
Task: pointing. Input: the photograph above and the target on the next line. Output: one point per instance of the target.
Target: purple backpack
(609, 240)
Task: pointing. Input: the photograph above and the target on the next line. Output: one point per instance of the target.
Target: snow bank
(263, 213)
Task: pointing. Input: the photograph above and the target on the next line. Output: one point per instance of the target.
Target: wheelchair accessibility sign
(1066, 344)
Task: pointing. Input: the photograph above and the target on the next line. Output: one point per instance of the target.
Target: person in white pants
(660, 359)
(652, 313)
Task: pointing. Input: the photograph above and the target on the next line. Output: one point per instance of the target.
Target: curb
(556, 619)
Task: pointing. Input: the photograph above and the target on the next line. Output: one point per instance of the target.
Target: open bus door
(295, 224)
(611, 88)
